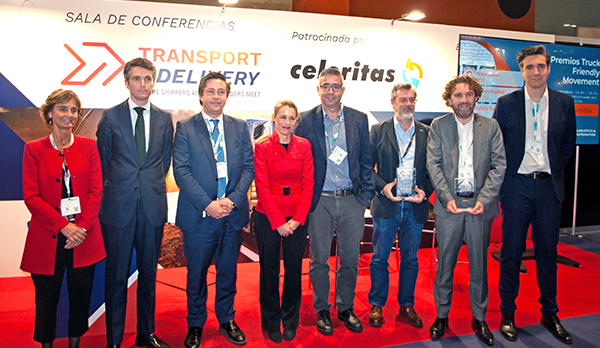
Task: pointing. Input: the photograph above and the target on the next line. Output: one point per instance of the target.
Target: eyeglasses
(405, 100)
(326, 88)
(65, 109)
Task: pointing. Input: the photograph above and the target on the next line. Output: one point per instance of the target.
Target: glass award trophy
(406, 180)
(465, 192)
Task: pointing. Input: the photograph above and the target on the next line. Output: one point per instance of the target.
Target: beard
(462, 113)
(407, 113)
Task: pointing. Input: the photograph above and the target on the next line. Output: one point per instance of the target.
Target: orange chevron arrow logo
(67, 80)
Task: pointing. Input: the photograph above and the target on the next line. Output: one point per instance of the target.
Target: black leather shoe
(193, 337)
(275, 336)
(556, 329)
(351, 320)
(437, 329)
(233, 333)
(324, 324)
(508, 329)
(483, 331)
(152, 342)
(289, 334)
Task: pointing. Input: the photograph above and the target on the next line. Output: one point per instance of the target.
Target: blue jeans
(384, 233)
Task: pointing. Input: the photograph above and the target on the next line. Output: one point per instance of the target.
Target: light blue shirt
(403, 138)
(337, 176)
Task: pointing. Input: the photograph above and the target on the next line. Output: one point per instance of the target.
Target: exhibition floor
(579, 300)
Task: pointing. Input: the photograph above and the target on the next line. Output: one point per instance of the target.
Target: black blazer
(359, 154)
(510, 114)
(384, 152)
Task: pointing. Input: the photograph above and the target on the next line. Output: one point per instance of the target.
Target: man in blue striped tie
(213, 164)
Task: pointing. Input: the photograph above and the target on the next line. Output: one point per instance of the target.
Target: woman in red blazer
(62, 188)
(283, 173)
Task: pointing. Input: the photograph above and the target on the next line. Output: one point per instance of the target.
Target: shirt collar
(468, 124)
(542, 99)
(398, 126)
(338, 117)
(133, 105)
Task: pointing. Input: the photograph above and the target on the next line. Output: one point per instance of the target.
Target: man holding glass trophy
(398, 150)
(466, 164)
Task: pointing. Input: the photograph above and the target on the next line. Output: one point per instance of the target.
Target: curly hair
(59, 96)
(469, 80)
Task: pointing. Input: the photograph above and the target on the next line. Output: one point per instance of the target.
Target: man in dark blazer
(466, 164)
(213, 164)
(398, 144)
(344, 186)
(135, 141)
(538, 125)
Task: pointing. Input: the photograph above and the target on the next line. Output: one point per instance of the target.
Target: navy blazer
(195, 170)
(384, 152)
(122, 172)
(359, 154)
(510, 114)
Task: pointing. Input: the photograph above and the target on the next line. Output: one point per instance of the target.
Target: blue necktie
(220, 157)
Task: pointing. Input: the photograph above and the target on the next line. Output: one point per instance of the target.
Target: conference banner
(266, 55)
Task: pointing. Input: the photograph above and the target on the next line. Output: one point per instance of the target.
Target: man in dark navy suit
(344, 186)
(538, 126)
(135, 140)
(213, 164)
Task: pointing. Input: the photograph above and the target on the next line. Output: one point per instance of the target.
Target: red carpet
(578, 294)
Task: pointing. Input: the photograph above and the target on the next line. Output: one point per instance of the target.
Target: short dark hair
(532, 51)
(139, 62)
(59, 96)
(331, 71)
(406, 86)
(469, 80)
(210, 76)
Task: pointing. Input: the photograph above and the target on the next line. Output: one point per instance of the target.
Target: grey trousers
(451, 231)
(345, 215)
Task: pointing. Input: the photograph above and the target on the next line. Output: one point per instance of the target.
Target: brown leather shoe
(376, 316)
(412, 317)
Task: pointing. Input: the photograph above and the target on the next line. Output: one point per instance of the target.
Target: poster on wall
(574, 70)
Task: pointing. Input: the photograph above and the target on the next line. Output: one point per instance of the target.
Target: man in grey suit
(213, 164)
(398, 148)
(135, 140)
(466, 164)
(344, 186)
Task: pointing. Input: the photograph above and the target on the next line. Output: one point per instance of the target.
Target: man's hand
(418, 198)
(387, 191)
(226, 203)
(477, 209)
(217, 209)
(451, 207)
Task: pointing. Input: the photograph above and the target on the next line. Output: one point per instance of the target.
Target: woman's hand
(285, 230)
(293, 224)
(75, 235)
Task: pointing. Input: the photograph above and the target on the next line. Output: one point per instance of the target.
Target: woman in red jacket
(283, 167)
(62, 188)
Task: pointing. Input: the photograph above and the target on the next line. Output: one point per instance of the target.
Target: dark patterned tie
(140, 134)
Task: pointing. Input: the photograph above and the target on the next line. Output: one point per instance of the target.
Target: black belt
(338, 193)
(536, 175)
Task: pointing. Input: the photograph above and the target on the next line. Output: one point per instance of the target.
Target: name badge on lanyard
(70, 206)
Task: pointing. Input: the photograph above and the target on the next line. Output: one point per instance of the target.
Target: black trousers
(47, 295)
(269, 246)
